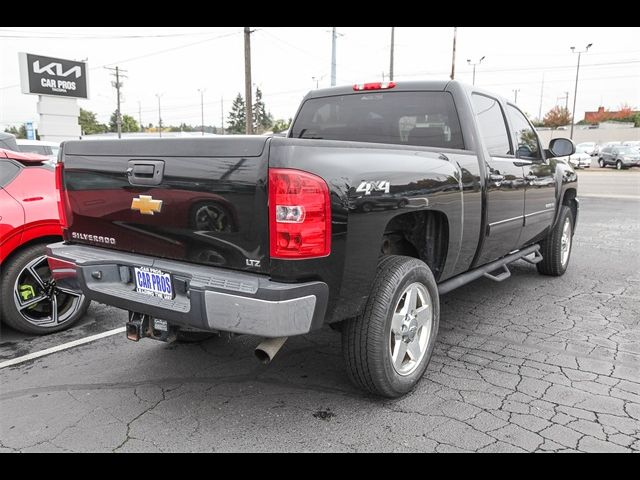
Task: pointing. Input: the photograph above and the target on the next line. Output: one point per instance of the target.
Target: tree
(261, 119)
(183, 127)
(557, 117)
(20, 132)
(89, 123)
(280, 125)
(129, 124)
(237, 115)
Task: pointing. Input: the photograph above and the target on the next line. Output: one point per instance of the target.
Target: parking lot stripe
(58, 348)
(606, 195)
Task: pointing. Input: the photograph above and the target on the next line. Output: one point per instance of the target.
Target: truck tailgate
(199, 200)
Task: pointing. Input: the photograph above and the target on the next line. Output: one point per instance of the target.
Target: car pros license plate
(153, 282)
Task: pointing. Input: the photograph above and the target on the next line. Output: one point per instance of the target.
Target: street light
(202, 90)
(575, 93)
(315, 79)
(474, 67)
(159, 95)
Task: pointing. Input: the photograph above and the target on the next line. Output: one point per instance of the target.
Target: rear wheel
(31, 300)
(388, 347)
(556, 247)
(601, 163)
(619, 165)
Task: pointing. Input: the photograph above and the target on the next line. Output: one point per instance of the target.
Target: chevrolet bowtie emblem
(146, 205)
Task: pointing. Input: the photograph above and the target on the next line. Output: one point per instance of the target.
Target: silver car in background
(620, 155)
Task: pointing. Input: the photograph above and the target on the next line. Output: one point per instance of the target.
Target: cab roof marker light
(373, 86)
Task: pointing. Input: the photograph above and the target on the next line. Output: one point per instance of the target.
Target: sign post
(31, 134)
(58, 83)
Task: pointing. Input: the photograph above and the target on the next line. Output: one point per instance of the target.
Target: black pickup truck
(382, 197)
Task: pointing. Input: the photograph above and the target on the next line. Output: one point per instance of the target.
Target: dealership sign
(53, 76)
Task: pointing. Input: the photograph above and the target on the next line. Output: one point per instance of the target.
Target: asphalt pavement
(531, 364)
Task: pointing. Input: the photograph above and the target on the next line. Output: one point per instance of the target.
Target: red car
(30, 301)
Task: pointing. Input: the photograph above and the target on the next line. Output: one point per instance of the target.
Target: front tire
(601, 163)
(619, 165)
(556, 247)
(30, 300)
(388, 347)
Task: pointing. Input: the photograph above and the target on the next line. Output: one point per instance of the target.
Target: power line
(150, 54)
(524, 69)
(63, 36)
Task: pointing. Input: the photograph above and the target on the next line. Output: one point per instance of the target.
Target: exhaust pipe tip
(267, 349)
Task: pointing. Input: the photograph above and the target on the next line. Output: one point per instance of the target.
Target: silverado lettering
(93, 238)
(380, 199)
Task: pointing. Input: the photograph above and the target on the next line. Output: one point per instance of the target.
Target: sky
(289, 61)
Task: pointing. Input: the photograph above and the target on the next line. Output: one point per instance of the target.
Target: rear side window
(427, 119)
(8, 171)
(493, 127)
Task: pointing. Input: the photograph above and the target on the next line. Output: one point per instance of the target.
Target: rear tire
(601, 163)
(619, 165)
(388, 347)
(556, 247)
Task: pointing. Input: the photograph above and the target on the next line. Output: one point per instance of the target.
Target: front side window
(427, 119)
(493, 128)
(526, 138)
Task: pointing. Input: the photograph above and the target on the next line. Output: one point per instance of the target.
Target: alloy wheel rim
(565, 242)
(39, 300)
(411, 326)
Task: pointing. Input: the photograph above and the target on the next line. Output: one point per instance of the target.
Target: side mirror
(561, 147)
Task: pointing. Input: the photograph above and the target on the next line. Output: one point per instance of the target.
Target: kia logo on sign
(53, 76)
(56, 69)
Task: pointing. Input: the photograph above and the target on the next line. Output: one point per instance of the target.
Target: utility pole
(453, 55)
(315, 79)
(117, 84)
(333, 56)
(515, 92)
(541, 97)
(222, 113)
(393, 32)
(247, 82)
(575, 93)
(140, 115)
(159, 115)
(201, 90)
(474, 67)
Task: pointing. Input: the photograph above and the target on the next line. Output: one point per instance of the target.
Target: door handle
(145, 172)
(496, 177)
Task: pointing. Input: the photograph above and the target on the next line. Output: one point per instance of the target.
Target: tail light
(64, 208)
(299, 214)
(374, 86)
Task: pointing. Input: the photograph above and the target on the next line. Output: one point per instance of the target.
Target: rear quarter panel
(420, 180)
(29, 209)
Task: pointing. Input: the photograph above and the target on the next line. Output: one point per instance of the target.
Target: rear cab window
(427, 119)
